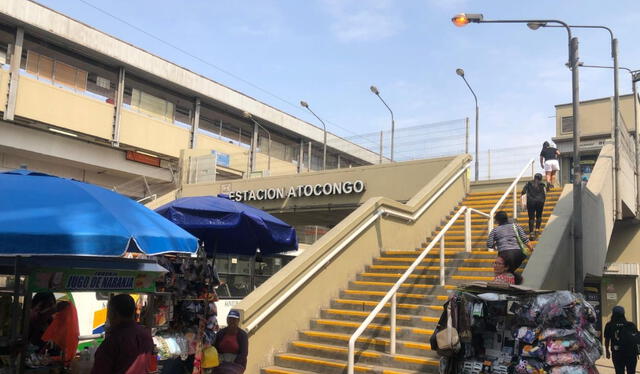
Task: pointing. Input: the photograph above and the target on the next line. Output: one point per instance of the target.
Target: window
(152, 105)
(55, 71)
(566, 125)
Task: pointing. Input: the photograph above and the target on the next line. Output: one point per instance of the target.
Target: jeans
(534, 208)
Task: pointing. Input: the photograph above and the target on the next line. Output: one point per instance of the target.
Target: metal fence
(497, 163)
(430, 140)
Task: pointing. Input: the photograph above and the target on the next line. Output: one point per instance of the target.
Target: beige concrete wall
(547, 267)
(385, 233)
(596, 116)
(143, 132)
(57, 106)
(626, 295)
(498, 185)
(551, 264)
(380, 180)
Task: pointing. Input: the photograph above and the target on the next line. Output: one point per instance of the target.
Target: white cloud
(357, 21)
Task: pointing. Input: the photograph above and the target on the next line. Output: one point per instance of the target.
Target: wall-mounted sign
(303, 190)
(63, 280)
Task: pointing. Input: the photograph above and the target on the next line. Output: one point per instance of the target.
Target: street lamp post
(304, 104)
(257, 124)
(375, 90)
(616, 109)
(460, 72)
(463, 20)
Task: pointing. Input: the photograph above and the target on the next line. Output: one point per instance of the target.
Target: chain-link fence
(498, 163)
(430, 140)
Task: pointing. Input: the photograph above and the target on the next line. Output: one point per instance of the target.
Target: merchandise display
(184, 313)
(515, 330)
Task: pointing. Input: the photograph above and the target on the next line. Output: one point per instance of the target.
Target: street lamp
(460, 72)
(376, 92)
(616, 104)
(249, 116)
(304, 104)
(464, 19)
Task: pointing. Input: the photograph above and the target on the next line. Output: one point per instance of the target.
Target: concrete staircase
(323, 347)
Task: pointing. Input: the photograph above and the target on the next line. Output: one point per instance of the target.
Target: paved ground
(606, 367)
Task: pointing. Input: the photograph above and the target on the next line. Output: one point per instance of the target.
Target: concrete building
(79, 103)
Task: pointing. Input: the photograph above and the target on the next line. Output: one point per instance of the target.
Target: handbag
(523, 247)
(448, 339)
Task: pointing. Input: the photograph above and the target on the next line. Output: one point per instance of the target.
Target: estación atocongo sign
(302, 190)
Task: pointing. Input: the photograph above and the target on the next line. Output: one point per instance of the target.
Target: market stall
(496, 328)
(64, 236)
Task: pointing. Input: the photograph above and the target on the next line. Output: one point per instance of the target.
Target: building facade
(79, 103)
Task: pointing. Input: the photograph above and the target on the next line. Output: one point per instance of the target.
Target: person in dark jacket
(625, 354)
(535, 192)
(232, 344)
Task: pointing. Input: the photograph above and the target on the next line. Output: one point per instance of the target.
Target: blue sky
(328, 52)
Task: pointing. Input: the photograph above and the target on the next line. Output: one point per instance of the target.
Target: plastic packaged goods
(567, 358)
(572, 369)
(526, 334)
(557, 333)
(561, 346)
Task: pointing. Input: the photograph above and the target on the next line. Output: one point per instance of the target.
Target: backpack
(625, 338)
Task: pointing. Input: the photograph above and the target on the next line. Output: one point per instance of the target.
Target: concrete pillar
(14, 74)
(119, 100)
(195, 123)
(300, 156)
(254, 148)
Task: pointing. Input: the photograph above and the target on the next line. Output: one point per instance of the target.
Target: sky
(329, 52)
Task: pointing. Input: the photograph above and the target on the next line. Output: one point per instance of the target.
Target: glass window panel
(64, 74)
(152, 104)
(240, 265)
(32, 62)
(45, 67)
(234, 285)
(258, 281)
(81, 80)
(222, 265)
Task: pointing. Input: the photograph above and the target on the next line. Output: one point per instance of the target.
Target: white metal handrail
(513, 186)
(391, 295)
(337, 249)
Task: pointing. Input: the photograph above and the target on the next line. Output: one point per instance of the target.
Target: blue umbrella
(230, 227)
(42, 214)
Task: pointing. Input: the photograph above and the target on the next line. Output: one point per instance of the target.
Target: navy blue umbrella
(42, 214)
(230, 227)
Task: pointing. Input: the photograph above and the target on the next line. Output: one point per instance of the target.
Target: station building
(78, 103)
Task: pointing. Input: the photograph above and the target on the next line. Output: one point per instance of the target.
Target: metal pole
(488, 164)
(393, 130)
(442, 261)
(616, 125)
(466, 136)
(393, 322)
(515, 205)
(324, 149)
(637, 137)
(577, 172)
(477, 138)
(381, 145)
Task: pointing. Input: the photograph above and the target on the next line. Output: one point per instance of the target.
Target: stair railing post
(442, 261)
(393, 323)
(467, 230)
(515, 203)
